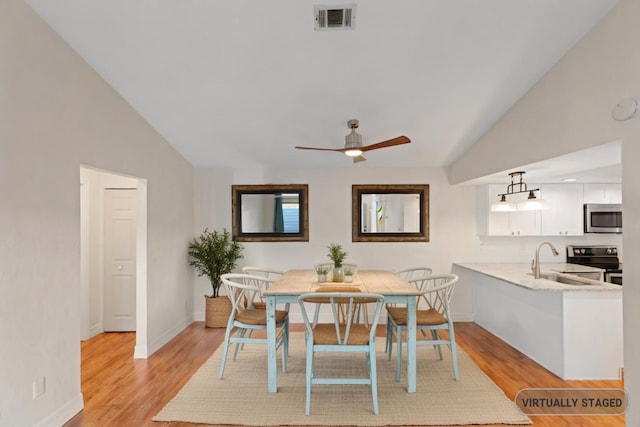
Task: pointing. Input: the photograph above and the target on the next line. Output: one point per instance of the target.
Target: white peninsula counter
(575, 331)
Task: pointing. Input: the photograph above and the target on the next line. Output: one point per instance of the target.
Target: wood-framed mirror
(270, 213)
(390, 213)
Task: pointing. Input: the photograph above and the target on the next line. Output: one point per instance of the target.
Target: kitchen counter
(519, 274)
(553, 323)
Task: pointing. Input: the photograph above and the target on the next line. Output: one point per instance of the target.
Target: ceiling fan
(353, 143)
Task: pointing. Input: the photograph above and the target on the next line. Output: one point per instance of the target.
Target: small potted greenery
(348, 275)
(213, 254)
(337, 255)
(322, 271)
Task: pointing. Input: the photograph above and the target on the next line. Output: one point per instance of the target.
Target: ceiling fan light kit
(353, 140)
(353, 143)
(532, 203)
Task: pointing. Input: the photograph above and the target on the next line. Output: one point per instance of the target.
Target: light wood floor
(120, 391)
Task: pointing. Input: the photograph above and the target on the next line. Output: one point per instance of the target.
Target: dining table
(293, 283)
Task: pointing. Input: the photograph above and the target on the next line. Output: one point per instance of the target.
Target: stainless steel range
(599, 256)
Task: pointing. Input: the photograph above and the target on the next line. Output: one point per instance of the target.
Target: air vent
(335, 18)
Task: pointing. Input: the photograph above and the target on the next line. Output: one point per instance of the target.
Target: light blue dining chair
(406, 274)
(432, 315)
(343, 335)
(245, 291)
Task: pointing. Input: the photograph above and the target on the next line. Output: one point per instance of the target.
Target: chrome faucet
(535, 266)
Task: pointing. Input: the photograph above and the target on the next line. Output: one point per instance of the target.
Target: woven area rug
(241, 398)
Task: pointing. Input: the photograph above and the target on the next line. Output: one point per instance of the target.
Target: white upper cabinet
(602, 193)
(519, 223)
(563, 216)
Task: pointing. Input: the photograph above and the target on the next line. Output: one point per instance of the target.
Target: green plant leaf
(336, 254)
(213, 254)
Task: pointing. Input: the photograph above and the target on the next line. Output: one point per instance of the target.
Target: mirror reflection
(390, 213)
(270, 212)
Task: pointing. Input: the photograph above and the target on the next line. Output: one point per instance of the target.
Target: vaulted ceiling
(242, 82)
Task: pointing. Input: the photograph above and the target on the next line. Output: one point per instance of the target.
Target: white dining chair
(342, 335)
(432, 315)
(244, 291)
(413, 272)
(269, 273)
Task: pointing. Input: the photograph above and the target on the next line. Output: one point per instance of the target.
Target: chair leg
(436, 337)
(225, 349)
(388, 345)
(285, 345)
(241, 333)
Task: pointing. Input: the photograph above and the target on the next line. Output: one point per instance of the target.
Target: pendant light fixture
(532, 203)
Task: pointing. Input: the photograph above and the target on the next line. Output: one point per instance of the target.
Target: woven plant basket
(217, 311)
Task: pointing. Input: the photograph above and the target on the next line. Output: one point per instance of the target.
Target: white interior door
(119, 259)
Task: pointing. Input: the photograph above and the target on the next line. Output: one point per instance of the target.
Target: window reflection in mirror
(270, 212)
(390, 213)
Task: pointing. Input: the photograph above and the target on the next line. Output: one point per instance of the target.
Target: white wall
(56, 114)
(568, 110)
(451, 221)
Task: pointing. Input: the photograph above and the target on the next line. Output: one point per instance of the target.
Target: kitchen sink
(564, 279)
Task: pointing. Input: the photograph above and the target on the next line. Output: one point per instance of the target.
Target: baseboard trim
(163, 339)
(64, 413)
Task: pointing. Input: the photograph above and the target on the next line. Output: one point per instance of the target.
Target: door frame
(141, 348)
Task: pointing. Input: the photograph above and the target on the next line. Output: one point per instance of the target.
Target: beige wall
(570, 109)
(451, 213)
(56, 114)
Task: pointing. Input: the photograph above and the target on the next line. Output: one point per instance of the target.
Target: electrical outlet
(39, 386)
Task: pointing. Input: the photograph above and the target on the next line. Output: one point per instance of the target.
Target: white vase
(322, 278)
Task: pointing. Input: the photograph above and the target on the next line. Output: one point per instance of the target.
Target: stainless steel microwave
(603, 218)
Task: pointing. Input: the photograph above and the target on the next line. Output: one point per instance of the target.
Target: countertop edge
(518, 274)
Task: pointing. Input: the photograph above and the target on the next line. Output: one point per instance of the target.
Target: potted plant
(322, 271)
(337, 255)
(214, 254)
(348, 275)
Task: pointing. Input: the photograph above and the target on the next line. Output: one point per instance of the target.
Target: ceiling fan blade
(388, 143)
(321, 149)
(358, 159)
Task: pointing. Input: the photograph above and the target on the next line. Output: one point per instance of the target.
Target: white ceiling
(242, 82)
